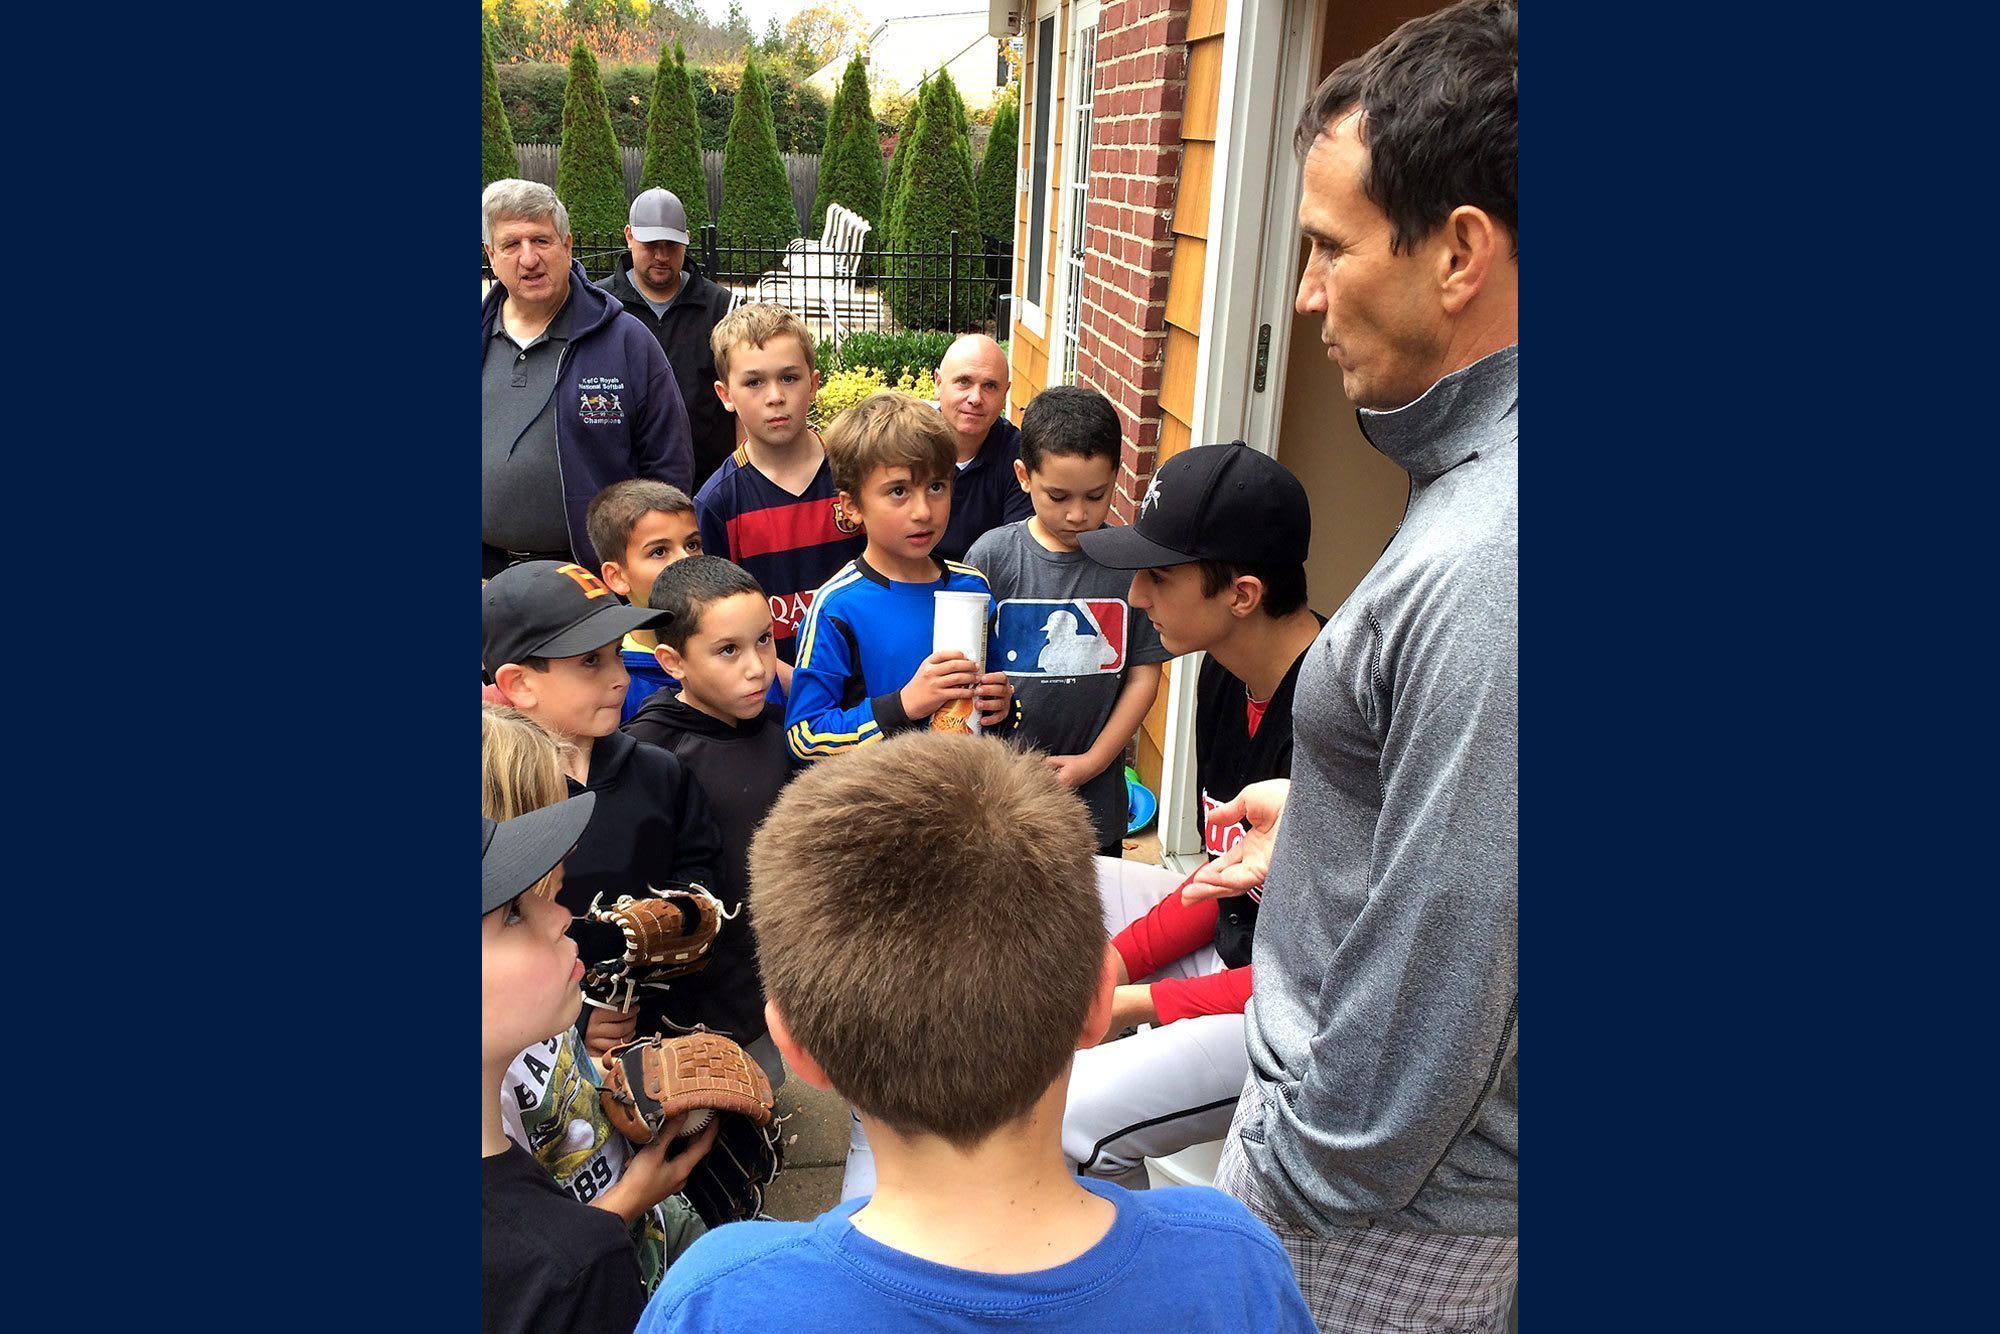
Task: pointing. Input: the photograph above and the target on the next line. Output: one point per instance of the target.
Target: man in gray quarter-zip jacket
(1377, 1134)
(575, 394)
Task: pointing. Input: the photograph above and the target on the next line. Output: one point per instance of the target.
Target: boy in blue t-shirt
(1084, 665)
(638, 527)
(933, 951)
(865, 666)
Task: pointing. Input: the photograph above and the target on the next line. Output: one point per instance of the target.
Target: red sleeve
(1172, 930)
(1225, 992)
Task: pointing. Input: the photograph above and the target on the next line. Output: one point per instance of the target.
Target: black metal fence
(962, 285)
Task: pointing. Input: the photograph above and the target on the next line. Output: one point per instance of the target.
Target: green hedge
(913, 350)
(533, 95)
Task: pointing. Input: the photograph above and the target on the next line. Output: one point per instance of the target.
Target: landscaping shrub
(590, 175)
(850, 163)
(916, 351)
(931, 204)
(843, 389)
(997, 172)
(673, 141)
(497, 160)
(532, 92)
(756, 197)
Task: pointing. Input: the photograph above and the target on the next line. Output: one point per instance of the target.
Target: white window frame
(1072, 192)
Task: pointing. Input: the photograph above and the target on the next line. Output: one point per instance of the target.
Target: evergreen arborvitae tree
(756, 196)
(899, 162)
(997, 173)
(850, 163)
(673, 140)
(948, 87)
(933, 202)
(590, 173)
(497, 159)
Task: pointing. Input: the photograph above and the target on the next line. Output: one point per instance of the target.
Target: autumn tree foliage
(673, 140)
(590, 173)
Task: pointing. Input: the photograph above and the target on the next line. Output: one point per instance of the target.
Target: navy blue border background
(251, 368)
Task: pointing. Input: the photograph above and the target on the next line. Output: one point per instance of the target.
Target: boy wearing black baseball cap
(550, 634)
(1218, 558)
(547, 1262)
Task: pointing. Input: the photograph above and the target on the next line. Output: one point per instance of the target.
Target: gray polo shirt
(520, 484)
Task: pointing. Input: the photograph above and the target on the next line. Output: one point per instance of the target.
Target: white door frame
(1250, 275)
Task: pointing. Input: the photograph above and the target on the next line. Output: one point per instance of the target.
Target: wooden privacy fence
(538, 163)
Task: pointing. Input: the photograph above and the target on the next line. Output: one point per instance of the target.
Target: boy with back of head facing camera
(547, 1262)
(1217, 556)
(550, 633)
(976, 1219)
(866, 669)
(1085, 667)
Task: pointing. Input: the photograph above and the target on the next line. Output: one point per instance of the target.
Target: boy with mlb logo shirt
(1218, 553)
(772, 507)
(1084, 672)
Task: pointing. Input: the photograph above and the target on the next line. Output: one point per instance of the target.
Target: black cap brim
(519, 852)
(604, 626)
(1123, 548)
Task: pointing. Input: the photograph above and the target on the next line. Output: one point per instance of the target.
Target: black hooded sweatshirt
(741, 768)
(651, 825)
(683, 333)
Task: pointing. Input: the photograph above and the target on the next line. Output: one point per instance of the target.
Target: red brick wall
(1135, 160)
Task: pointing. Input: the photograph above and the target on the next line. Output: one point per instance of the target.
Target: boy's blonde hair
(756, 324)
(928, 922)
(521, 768)
(887, 429)
(616, 510)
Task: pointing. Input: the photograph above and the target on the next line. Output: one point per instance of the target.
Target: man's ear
(722, 392)
(1021, 475)
(1471, 244)
(1246, 595)
(1099, 1016)
(797, 1057)
(516, 684)
(616, 580)
(669, 660)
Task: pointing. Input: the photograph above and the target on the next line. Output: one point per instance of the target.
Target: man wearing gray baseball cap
(660, 288)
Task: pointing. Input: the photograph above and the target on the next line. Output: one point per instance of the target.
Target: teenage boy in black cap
(548, 1263)
(1218, 554)
(550, 635)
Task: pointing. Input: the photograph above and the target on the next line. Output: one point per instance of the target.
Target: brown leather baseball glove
(648, 941)
(673, 1086)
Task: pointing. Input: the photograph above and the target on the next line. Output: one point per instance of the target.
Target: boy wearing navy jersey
(772, 507)
(1218, 558)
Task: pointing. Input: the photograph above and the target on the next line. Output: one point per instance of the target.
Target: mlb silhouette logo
(1059, 636)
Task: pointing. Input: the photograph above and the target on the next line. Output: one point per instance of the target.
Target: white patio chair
(819, 275)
